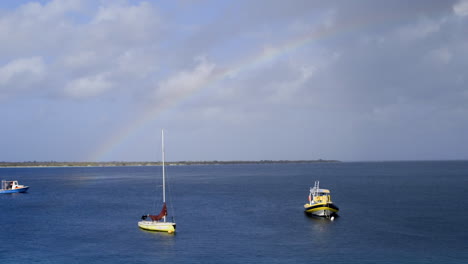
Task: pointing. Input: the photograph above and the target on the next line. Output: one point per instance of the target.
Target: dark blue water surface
(390, 212)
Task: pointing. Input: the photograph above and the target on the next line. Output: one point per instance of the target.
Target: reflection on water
(13, 194)
(160, 238)
(164, 234)
(320, 225)
(322, 234)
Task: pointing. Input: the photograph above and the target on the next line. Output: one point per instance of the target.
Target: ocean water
(390, 212)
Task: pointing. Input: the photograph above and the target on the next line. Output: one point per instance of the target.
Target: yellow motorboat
(320, 203)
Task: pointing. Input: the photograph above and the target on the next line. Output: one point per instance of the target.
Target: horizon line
(226, 161)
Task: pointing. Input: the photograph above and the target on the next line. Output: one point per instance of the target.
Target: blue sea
(390, 212)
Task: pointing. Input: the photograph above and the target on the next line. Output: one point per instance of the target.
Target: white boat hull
(323, 213)
(157, 226)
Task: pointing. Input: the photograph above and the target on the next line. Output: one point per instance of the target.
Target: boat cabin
(318, 195)
(321, 195)
(10, 185)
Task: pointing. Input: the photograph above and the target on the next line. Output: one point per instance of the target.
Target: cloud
(122, 24)
(285, 92)
(80, 59)
(22, 72)
(378, 64)
(461, 8)
(50, 10)
(35, 28)
(184, 83)
(441, 56)
(77, 40)
(422, 29)
(89, 86)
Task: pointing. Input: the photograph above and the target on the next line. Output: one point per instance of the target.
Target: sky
(363, 80)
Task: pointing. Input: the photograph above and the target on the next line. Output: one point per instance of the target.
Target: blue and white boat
(12, 187)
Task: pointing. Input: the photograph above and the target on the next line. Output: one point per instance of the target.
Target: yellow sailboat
(158, 222)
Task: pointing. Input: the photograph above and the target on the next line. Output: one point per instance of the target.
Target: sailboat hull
(157, 226)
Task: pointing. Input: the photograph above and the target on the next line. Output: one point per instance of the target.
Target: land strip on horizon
(147, 163)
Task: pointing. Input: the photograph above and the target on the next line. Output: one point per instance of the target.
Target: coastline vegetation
(147, 163)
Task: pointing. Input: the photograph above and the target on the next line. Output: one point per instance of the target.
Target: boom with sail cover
(161, 215)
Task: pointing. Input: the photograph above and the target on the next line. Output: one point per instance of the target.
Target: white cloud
(461, 8)
(138, 50)
(285, 92)
(422, 29)
(78, 38)
(51, 10)
(80, 59)
(119, 12)
(123, 23)
(136, 62)
(186, 82)
(36, 28)
(24, 70)
(442, 55)
(89, 86)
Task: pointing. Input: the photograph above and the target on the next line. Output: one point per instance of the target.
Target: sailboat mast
(163, 169)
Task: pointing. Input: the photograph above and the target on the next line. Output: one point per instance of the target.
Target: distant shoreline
(34, 164)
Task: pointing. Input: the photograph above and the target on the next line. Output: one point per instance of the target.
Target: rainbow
(249, 62)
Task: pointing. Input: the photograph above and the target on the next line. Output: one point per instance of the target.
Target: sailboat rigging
(158, 222)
